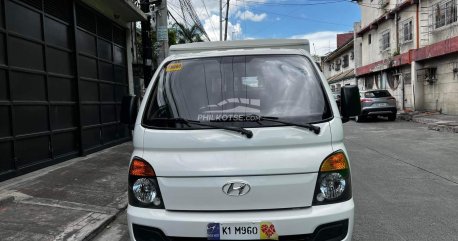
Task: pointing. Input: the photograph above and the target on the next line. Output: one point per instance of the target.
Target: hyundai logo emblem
(236, 188)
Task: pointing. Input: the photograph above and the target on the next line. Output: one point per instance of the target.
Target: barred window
(345, 61)
(406, 31)
(445, 13)
(337, 65)
(407, 77)
(385, 41)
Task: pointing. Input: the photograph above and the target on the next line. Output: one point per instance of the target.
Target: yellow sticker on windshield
(174, 67)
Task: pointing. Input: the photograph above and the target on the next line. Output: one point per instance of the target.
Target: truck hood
(216, 152)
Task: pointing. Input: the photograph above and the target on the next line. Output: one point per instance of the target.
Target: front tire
(392, 117)
(360, 118)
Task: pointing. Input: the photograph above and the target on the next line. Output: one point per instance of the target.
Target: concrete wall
(442, 95)
(405, 16)
(371, 10)
(371, 52)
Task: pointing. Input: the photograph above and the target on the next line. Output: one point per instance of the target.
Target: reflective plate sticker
(268, 231)
(213, 231)
(174, 67)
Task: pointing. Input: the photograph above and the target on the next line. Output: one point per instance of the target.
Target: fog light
(332, 185)
(145, 191)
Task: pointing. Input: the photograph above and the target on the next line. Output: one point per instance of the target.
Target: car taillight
(143, 186)
(364, 100)
(391, 98)
(334, 181)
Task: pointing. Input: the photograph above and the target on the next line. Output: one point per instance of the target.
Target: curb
(431, 122)
(7, 199)
(97, 230)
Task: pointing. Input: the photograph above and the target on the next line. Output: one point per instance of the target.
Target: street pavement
(405, 183)
(67, 201)
(405, 187)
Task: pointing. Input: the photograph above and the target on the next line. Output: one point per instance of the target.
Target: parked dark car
(376, 103)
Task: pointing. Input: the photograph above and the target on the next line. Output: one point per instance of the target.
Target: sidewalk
(68, 201)
(434, 120)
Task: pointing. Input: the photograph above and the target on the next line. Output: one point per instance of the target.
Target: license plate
(382, 104)
(241, 231)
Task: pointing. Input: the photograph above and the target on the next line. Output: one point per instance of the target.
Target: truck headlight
(334, 181)
(143, 187)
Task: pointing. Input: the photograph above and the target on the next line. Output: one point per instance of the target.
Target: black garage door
(61, 83)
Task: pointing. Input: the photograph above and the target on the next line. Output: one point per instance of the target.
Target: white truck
(240, 140)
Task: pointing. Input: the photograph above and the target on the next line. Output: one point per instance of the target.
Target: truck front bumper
(292, 224)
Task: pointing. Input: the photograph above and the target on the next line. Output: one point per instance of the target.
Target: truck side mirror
(350, 103)
(129, 111)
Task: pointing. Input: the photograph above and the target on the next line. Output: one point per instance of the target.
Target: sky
(316, 20)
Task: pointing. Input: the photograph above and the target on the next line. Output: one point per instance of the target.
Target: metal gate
(63, 73)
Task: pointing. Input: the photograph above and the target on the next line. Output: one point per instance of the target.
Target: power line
(209, 16)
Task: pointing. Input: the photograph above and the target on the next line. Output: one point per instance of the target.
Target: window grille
(345, 61)
(444, 13)
(405, 32)
(385, 41)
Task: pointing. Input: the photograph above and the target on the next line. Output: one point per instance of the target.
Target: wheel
(392, 117)
(360, 118)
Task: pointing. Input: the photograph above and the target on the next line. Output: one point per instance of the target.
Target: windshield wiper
(187, 122)
(315, 129)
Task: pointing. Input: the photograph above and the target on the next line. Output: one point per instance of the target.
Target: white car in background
(240, 140)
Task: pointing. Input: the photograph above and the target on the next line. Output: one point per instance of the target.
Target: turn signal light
(141, 168)
(335, 162)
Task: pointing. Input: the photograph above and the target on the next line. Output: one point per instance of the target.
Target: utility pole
(162, 30)
(146, 43)
(220, 20)
(227, 18)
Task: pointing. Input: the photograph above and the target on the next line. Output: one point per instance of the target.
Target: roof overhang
(340, 50)
(348, 74)
(120, 11)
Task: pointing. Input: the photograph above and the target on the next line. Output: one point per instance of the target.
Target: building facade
(64, 67)
(339, 66)
(411, 49)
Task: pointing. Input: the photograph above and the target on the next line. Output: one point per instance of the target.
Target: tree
(188, 35)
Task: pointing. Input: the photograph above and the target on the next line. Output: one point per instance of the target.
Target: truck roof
(240, 44)
(237, 52)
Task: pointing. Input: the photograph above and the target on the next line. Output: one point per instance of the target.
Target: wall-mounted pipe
(417, 24)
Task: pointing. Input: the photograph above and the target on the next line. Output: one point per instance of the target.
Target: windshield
(229, 89)
(377, 94)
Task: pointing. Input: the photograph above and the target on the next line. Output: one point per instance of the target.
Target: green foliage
(172, 36)
(188, 35)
